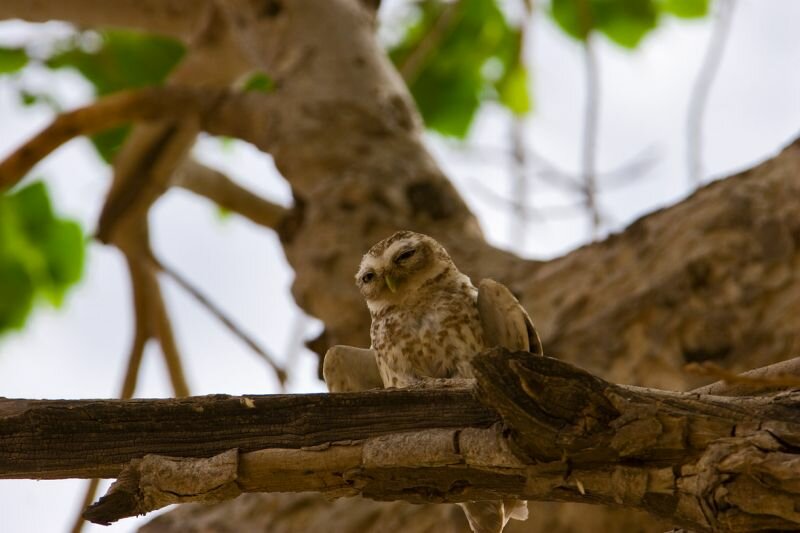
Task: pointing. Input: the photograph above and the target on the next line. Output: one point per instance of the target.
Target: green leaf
(16, 294)
(12, 60)
(108, 142)
(446, 54)
(626, 22)
(64, 252)
(32, 205)
(41, 255)
(571, 18)
(223, 214)
(686, 8)
(124, 60)
(513, 90)
(259, 82)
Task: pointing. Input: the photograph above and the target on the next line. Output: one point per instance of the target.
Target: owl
(429, 321)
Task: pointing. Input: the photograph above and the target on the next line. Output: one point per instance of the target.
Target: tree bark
(707, 463)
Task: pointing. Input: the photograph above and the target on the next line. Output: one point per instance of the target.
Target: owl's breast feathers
(433, 335)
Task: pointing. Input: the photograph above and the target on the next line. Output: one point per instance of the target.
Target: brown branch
(220, 315)
(226, 193)
(88, 498)
(144, 104)
(215, 108)
(58, 439)
(179, 18)
(142, 328)
(567, 436)
(166, 338)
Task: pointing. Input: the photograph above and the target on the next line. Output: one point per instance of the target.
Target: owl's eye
(405, 255)
(369, 276)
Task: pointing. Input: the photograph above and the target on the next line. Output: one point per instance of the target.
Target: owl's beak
(390, 282)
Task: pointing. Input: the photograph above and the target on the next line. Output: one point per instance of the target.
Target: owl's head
(393, 269)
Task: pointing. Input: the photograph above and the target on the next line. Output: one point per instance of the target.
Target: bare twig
(142, 328)
(166, 338)
(702, 88)
(590, 130)
(539, 214)
(226, 193)
(549, 172)
(295, 344)
(519, 176)
(220, 315)
(88, 498)
(519, 163)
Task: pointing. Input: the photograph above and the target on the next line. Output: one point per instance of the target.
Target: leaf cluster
(41, 255)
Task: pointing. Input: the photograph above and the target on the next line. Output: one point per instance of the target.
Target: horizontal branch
(178, 18)
(55, 439)
(700, 461)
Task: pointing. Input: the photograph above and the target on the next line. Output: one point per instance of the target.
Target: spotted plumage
(428, 326)
(429, 321)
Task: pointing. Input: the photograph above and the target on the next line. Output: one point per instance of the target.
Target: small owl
(429, 321)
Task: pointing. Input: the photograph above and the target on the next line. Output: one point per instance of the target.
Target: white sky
(79, 351)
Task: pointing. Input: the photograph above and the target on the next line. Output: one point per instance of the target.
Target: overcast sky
(79, 351)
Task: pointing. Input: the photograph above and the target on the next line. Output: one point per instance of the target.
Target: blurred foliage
(454, 56)
(122, 60)
(259, 82)
(457, 54)
(41, 255)
(625, 22)
(12, 60)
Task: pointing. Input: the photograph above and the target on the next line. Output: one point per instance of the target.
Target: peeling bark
(704, 462)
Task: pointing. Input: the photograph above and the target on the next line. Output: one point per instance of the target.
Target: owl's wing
(351, 369)
(505, 322)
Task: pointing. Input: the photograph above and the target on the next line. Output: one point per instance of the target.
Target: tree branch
(226, 193)
(216, 109)
(57, 439)
(178, 18)
(703, 462)
(203, 300)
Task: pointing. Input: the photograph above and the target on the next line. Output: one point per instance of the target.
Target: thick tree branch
(54, 439)
(178, 18)
(699, 461)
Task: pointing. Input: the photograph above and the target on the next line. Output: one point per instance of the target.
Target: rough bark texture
(54, 439)
(713, 278)
(708, 463)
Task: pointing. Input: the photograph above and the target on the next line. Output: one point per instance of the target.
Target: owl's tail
(492, 516)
